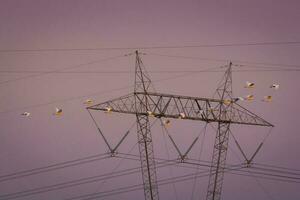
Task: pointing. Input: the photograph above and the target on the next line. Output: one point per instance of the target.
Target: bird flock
(249, 97)
(58, 111)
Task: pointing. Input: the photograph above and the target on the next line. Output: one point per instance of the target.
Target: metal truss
(184, 107)
(216, 177)
(142, 83)
(223, 110)
(217, 168)
(147, 157)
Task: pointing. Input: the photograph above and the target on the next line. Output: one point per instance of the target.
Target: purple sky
(43, 139)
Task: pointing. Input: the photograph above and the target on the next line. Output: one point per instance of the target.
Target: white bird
(249, 84)
(88, 102)
(239, 99)
(26, 114)
(167, 122)
(108, 109)
(250, 97)
(181, 115)
(227, 102)
(58, 111)
(150, 113)
(275, 86)
(267, 98)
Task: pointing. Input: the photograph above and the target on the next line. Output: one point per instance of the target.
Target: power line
(132, 188)
(138, 187)
(56, 166)
(151, 47)
(186, 177)
(278, 167)
(199, 158)
(81, 181)
(64, 100)
(188, 72)
(94, 94)
(275, 170)
(73, 183)
(69, 183)
(267, 193)
(264, 177)
(264, 173)
(126, 172)
(65, 68)
(168, 156)
(260, 171)
(257, 64)
(153, 71)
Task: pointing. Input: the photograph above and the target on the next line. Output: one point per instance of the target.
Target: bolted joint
(248, 164)
(182, 158)
(113, 153)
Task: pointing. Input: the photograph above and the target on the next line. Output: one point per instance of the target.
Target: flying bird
(150, 113)
(181, 115)
(58, 111)
(26, 114)
(227, 102)
(249, 84)
(275, 86)
(167, 122)
(88, 102)
(267, 98)
(249, 97)
(239, 99)
(108, 109)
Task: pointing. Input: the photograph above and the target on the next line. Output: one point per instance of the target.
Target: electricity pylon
(224, 93)
(144, 103)
(141, 104)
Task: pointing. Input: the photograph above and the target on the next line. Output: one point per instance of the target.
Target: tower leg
(217, 168)
(218, 162)
(147, 158)
(141, 84)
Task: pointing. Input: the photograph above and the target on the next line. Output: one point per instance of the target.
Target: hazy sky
(43, 139)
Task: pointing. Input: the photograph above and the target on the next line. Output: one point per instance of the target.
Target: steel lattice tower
(224, 93)
(144, 103)
(142, 84)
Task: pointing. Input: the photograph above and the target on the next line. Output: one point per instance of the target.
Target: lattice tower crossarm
(171, 106)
